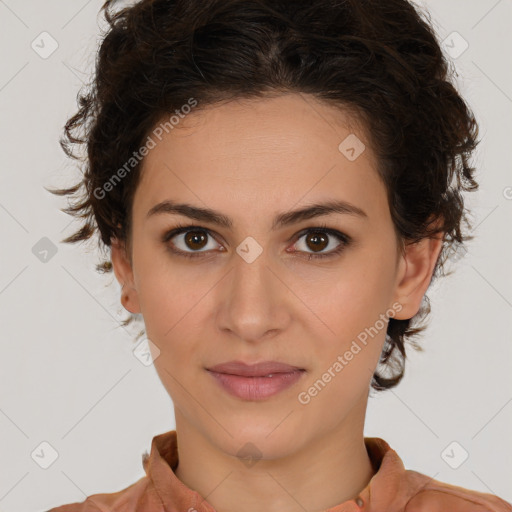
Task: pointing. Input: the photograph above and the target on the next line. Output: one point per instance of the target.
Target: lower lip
(256, 388)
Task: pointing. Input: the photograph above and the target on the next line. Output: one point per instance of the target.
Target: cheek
(167, 291)
(352, 296)
(353, 308)
(357, 330)
(347, 345)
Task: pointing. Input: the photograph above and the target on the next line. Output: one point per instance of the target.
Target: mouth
(262, 369)
(255, 382)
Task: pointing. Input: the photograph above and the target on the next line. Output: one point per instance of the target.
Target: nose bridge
(254, 301)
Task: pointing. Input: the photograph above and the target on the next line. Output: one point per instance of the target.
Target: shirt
(391, 489)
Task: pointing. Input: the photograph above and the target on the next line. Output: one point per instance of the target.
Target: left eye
(196, 238)
(318, 238)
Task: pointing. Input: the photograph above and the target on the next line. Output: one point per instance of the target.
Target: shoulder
(125, 500)
(431, 495)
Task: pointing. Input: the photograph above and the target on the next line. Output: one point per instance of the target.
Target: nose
(254, 301)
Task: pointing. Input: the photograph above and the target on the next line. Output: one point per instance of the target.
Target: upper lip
(253, 370)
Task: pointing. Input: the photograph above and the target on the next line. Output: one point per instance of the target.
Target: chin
(272, 441)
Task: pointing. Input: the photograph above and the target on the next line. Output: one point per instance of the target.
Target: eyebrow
(281, 220)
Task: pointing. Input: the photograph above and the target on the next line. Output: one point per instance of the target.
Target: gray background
(68, 376)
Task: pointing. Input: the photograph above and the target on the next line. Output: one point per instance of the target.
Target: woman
(278, 183)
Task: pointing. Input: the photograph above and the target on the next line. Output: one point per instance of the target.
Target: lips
(255, 382)
(262, 369)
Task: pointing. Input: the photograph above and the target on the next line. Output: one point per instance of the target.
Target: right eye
(194, 237)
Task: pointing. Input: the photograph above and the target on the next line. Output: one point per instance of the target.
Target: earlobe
(415, 274)
(124, 275)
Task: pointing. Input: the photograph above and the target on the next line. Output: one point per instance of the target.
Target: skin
(250, 160)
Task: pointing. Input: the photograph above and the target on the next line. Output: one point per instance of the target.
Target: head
(250, 110)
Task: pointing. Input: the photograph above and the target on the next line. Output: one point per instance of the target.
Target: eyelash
(342, 237)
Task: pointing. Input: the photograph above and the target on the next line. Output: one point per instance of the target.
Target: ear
(124, 274)
(415, 273)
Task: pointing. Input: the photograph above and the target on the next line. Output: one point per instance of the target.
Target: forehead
(256, 157)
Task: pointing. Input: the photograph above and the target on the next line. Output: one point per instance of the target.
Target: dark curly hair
(377, 58)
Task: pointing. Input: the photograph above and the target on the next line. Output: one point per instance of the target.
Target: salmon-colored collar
(382, 492)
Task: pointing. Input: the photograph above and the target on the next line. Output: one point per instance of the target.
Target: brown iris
(316, 240)
(195, 237)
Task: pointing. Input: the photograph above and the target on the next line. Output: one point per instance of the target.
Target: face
(313, 292)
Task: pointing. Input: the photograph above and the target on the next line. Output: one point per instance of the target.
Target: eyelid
(183, 228)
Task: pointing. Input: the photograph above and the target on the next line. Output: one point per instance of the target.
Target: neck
(320, 472)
